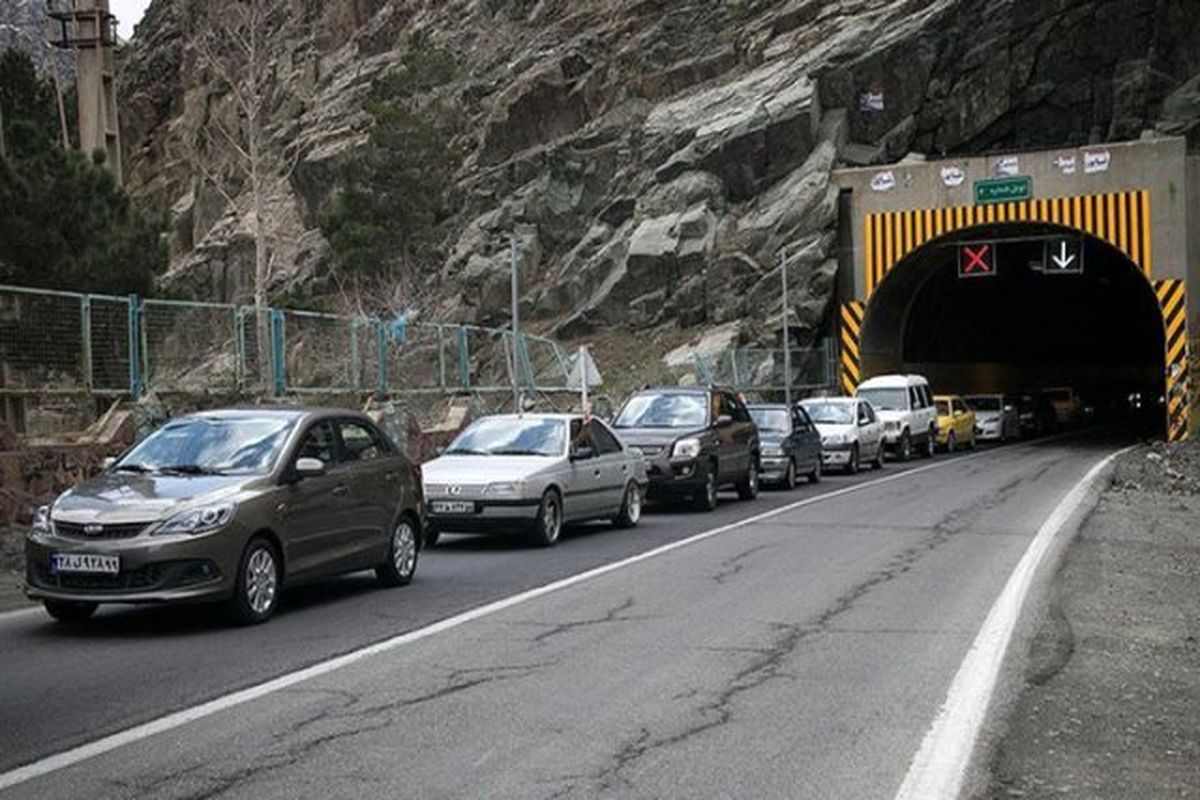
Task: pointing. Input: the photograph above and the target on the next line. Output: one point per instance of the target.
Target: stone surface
(655, 156)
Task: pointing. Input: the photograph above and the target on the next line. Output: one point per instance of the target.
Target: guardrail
(64, 343)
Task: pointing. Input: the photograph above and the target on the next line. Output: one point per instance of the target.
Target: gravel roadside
(1111, 702)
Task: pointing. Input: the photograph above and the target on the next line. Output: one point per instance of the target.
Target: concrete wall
(1158, 165)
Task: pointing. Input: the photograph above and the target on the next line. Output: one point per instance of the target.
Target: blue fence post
(135, 345)
(278, 367)
(382, 367)
(464, 360)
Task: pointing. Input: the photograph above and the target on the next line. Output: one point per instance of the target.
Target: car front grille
(75, 530)
(146, 577)
(454, 490)
(649, 450)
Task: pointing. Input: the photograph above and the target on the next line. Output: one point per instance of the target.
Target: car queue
(233, 507)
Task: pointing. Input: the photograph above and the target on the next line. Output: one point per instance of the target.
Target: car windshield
(773, 420)
(886, 399)
(510, 436)
(211, 446)
(984, 403)
(830, 413)
(943, 408)
(664, 410)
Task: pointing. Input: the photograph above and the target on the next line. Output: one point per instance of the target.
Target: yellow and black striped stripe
(1172, 296)
(1121, 218)
(852, 321)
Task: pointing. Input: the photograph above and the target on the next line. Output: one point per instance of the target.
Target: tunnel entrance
(1025, 328)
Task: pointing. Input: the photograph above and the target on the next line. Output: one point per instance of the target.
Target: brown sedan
(230, 506)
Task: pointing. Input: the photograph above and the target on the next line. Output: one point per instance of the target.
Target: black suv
(694, 441)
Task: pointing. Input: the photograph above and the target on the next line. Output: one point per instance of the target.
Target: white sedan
(531, 474)
(851, 433)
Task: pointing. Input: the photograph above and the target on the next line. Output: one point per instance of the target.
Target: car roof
(681, 389)
(947, 397)
(831, 400)
(767, 406)
(566, 416)
(276, 412)
(893, 381)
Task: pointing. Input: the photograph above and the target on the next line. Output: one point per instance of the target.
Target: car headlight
(504, 489)
(197, 520)
(686, 448)
(892, 425)
(42, 525)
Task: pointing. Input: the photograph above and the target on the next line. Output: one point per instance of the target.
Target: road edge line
(75, 755)
(939, 769)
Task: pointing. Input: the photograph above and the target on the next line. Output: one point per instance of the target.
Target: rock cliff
(652, 156)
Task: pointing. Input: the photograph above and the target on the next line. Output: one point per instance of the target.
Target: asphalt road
(801, 655)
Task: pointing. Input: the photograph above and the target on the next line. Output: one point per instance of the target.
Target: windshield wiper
(463, 451)
(131, 468)
(190, 469)
(515, 452)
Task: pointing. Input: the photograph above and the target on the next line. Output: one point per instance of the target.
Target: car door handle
(390, 477)
(596, 473)
(341, 491)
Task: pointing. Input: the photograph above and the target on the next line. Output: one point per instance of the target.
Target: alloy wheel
(262, 580)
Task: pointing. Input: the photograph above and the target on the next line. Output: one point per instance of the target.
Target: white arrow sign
(1062, 260)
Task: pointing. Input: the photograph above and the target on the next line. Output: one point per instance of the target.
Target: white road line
(177, 719)
(940, 766)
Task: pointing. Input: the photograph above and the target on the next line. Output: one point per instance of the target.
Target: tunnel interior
(1024, 328)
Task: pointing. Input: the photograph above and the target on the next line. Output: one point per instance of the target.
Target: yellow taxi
(955, 422)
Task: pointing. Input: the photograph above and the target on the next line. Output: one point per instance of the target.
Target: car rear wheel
(256, 591)
(401, 563)
(70, 611)
(706, 498)
(548, 525)
(747, 487)
(631, 508)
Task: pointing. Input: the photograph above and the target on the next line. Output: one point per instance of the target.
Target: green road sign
(1003, 190)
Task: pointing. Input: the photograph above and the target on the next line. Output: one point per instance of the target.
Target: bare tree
(235, 51)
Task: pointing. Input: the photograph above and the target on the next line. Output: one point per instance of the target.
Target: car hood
(116, 497)
(771, 437)
(829, 429)
(483, 469)
(660, 437)
(892, 416)
(987, 416)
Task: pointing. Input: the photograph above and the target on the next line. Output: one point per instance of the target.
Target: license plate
(453, 507)
(85, 562)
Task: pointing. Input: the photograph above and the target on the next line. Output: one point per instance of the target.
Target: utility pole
(784, 313)
(3, 149)
(516, 329)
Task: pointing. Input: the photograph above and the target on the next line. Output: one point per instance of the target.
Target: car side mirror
(583, 454)
(440, 450)
(108, 463)
(724, 419)
(1009, 409)
(309, 468)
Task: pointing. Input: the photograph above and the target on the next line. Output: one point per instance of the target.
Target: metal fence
(761, 370)
(62, 343)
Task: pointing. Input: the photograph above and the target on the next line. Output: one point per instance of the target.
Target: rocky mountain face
(651, 156)
(23, 26)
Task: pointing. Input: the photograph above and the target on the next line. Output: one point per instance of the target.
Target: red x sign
(976, 260)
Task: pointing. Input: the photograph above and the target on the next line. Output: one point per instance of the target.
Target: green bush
(64, 222)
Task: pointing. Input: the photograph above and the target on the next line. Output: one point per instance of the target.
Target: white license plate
(453, 507)
(85, 562)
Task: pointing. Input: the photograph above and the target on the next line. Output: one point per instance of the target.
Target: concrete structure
(90, 30)
(1128, 202)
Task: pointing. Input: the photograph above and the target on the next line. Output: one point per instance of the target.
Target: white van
(905, 405)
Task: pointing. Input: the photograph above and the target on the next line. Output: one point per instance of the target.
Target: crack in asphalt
(613, 615)
(768, 662)
(731, 567)
(358, 722)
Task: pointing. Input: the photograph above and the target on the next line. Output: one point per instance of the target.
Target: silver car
(531, 474)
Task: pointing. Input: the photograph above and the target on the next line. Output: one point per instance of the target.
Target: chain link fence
(753, 370)
(88, 346)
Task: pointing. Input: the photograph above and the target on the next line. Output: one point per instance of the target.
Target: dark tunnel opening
(1023, 329)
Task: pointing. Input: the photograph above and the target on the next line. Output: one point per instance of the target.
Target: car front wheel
(950, 442)
(930, 449)
(789, 477)
(706, 498)
(256, 592)
(815, 475)
(70, 611)
(853, 464)
(548, 525)
(904, 447)
(401, 563)
(631, 508)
